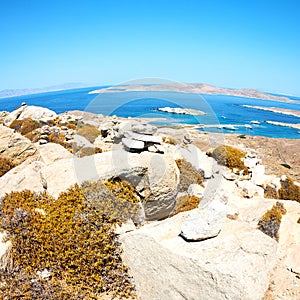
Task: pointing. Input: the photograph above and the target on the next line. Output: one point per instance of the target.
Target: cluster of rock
(229, 257)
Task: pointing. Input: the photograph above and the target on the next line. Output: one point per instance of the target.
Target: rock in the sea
(15, 146)
(204, 222)
(234, 265)
(32, 112)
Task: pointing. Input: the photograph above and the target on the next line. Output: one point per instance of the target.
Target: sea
(221, 110)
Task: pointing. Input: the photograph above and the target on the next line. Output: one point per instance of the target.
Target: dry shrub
(88, 131)
(25, 126)
(86, 151)
(57, 139)
(289, 190)
(270, 192)
(230, 157)
(185, 203)
(71, 237)
(6, 164)
(270, 221)
(188, 175)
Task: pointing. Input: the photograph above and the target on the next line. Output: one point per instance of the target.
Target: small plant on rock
(230, 157)
(185, 203)
(6, 164)
(188, 175)
(289, 190)
(270, 221)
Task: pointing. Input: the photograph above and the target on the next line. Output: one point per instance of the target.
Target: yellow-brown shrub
(25, 126)
(72, 237)
(6, 164)
(230, 157)
(88, 131)
(289, 190)
(270, 221)
(185, 203)
(188, 175)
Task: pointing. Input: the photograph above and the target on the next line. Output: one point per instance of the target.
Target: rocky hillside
(96, 207)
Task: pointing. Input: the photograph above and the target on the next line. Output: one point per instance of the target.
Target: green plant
(188, 175)
(71, 237)
(286, 166)
(6, 164)
(270, 221)
(230, 157)
(88, 131)
(242, 136)
(289, 190)
(185, 203)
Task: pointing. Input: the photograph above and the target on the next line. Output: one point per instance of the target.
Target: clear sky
(242, 43)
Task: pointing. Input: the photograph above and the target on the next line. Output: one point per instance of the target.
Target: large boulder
(26, 176)
(234, 265)
(32, 112)
(155, 176)
(15, 146)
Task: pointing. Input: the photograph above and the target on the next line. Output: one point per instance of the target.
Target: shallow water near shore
(220, 109)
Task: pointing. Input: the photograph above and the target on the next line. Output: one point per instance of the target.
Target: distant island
(181, 111)
(199, 88)
(21, 92)
(284, 111)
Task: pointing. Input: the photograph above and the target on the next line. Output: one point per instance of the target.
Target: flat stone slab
(205, 222)
(143, 137)
(133, 144)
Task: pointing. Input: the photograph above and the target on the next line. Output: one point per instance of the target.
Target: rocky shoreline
(201, 222)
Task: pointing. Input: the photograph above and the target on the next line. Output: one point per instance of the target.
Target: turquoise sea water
(220, 109)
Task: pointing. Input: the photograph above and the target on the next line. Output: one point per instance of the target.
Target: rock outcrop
(32, 112)
(14, 146)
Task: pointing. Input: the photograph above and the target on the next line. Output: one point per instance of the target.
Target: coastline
(284, 111)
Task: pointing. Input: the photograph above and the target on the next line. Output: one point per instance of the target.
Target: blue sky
(236, 44)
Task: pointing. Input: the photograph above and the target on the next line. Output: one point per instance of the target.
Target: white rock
(234, 265)
(205, 222)
(143, 128)
(15, 146)
(52, 152)
(26, 176)
(133, 144)
(258, 175)
(249, 189)
(196, 190)
(143, 137)
(32, 112)
(4, 251)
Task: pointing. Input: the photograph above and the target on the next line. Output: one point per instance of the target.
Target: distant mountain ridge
(21, 92)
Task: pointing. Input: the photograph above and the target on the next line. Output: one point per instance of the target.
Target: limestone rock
(249, 189)
(258, 175)
(15, 146)
(143, 137)
(143, 128)
(32, 112)
(234, 265)
(52, 152)
(196, 190)
(200, 161)
(133, 144)
(26, 176)
(4, 252)
(204, 222)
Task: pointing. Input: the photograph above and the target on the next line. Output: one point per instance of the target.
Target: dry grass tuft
(270, 221)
